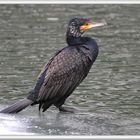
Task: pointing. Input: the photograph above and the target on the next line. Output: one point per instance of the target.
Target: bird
(65, 70)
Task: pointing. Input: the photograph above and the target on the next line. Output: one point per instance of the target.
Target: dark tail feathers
(18, 106)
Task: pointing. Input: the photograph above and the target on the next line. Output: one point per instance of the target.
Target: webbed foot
(67, 109)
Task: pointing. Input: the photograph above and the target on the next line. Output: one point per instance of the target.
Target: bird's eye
(86, 24)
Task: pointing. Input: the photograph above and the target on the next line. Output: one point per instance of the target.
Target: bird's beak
(90, 25)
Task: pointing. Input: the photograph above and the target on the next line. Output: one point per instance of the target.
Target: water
(108, 99)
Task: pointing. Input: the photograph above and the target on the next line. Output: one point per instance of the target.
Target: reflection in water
(12, 125)
(108, 100)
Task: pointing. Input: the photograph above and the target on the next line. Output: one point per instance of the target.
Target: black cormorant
(64, 71)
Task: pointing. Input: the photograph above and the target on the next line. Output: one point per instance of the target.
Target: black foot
(67, 109)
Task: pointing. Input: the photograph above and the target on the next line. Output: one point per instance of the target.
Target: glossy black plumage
(64, 71)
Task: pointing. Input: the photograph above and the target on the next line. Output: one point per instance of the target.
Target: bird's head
(77, 26)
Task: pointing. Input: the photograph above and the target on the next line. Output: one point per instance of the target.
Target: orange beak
(90, 25)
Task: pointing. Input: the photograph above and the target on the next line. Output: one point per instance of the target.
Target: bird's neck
(71, 41)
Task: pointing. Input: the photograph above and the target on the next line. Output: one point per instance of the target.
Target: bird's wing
(33, 95)
(65, 71)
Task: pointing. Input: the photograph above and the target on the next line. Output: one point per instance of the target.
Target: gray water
(107, 100)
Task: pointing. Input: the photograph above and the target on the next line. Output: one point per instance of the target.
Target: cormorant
(64, 71)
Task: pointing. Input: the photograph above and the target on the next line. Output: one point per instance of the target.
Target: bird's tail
(18, 106)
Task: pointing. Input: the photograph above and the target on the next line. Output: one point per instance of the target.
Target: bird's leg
(64, 108)
(67, 109)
